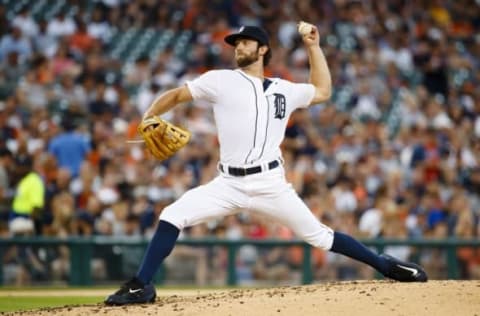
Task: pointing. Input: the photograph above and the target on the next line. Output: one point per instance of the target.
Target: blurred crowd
(395, 153)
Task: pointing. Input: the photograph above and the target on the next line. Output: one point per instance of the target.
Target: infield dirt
(339, 298)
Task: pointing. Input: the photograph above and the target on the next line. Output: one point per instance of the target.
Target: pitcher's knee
(172, 215)
(322, 238)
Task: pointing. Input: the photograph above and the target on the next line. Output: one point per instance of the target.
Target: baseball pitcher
(251, 113)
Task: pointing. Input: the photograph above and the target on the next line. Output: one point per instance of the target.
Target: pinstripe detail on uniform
(266, 128)
(256, 114)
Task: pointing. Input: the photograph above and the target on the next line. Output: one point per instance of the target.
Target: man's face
(246, 52)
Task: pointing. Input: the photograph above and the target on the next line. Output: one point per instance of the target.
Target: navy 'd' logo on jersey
(280, 104)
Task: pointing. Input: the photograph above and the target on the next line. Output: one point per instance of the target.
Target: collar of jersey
(258, 80)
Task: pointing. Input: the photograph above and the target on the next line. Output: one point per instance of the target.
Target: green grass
(15, 299)
(9, 304)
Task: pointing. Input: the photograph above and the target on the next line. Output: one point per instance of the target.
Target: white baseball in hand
(304, 28)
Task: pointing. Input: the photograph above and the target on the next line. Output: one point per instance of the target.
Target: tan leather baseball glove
(162, 138)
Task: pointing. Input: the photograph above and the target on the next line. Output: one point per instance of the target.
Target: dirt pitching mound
(339, 298)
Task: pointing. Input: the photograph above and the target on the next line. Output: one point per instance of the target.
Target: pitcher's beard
(245, 61)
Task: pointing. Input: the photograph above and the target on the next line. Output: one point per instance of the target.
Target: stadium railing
(82, 248)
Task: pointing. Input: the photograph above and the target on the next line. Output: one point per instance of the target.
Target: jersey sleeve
(205, 87)
(302, 94)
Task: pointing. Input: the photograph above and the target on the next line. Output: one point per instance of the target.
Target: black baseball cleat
(132, 292)
(404, 271)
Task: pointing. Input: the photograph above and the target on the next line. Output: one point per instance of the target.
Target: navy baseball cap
(251, 32)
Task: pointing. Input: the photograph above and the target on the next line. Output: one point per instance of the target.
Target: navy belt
(240, 172)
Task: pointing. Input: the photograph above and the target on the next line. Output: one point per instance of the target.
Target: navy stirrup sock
(158, 249)
(350, 247)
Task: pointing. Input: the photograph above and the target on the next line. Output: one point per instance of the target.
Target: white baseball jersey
(250, 122)
(251, 125)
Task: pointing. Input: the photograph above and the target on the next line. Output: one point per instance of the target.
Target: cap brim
(230, 39)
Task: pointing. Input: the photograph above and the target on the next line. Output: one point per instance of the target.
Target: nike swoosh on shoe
(413, 270)
(134, 291)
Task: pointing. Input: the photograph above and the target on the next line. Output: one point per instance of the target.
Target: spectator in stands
(15, 42)
(63, 62)
(431, 59)
(44, 43)
(61, 26)
(29, 200)
(147, 95)
(26, 23)
(22, 264)
(74, 94)
(81, 42)
(11, 69)
(139, 72)
(69, 148)
(98, 27)
(99, 107)
(31, 93)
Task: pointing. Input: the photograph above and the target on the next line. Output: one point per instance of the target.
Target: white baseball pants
(267, 193)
